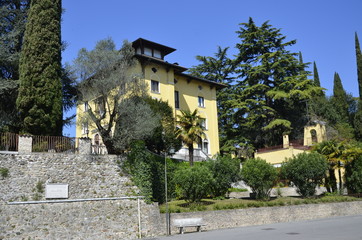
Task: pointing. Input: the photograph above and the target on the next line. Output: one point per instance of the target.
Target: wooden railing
(8, 141)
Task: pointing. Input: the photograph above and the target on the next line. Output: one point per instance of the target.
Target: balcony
(183, 154)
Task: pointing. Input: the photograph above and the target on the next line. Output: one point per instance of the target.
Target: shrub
(260, 176)
(225, 170)
(148, 172)
(4, 172)
(194, 182)
(353, 175)
(306, 171)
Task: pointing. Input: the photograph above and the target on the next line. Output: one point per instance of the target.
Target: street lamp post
(166, 198)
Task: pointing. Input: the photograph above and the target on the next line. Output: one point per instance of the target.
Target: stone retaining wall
(88, 176)
(267, 215)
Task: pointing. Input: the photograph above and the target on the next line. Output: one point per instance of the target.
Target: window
(85, 128)
(86, 106)
(100, 106)
(148, 51)
(156, 53)
(96, 139)
(177, 100)
(203, 123)
(205, 146)
(201, 102)
(155, 86)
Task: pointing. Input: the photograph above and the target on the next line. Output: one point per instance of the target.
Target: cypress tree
(358, 121)
(339, 99)
(40, 93)
(300, 57)
(359, 65)
(316, 75)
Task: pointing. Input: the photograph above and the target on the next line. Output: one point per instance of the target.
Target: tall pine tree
(272, 86)
(40, 93)
(13, 14)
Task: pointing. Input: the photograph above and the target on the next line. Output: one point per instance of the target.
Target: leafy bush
(194, 182)
(260, 176)
(306, 171)
(225, 171)
(353, 175)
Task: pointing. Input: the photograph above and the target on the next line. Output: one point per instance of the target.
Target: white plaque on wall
(56, 190)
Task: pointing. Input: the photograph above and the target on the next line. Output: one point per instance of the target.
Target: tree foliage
(148, 172)
(164, 137)
(225, 171)
(40, 93)
(359, 65)
(353, 175)
(306, 171)
(260, 176)
(339, 99)
(105, 82)
(266, 89)
(13, 15)
(272, 84)
(135, 121)
(194, 182)
(316, 79)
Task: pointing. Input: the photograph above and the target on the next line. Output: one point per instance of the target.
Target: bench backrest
(187, 222)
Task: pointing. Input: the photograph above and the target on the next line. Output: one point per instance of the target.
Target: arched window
(96, 139)
(313, 133)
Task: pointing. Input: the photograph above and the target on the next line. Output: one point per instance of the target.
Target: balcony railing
(183, 154)
(99, 149)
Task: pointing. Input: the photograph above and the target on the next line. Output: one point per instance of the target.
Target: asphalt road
(338, 228)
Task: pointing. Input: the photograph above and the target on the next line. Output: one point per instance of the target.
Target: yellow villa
(168, 82)
(277, 155)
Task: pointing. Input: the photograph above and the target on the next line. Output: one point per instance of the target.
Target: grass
(179, 206)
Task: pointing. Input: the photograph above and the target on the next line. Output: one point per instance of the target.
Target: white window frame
(205, 146)
(203, 123)
(201, 101)
(85, 128)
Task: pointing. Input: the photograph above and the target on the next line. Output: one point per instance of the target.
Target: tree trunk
(191, 155)
(107, 141)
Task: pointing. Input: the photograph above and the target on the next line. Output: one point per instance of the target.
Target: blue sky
(324, 29)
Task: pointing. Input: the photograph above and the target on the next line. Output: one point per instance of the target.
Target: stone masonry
(88, 176)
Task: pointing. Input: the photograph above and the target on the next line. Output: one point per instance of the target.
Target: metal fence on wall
(54, 144)
(9, 141)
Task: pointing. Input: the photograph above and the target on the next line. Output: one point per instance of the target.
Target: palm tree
(190, 130)
(334, 152)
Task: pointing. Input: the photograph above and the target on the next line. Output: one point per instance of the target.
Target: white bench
(188, 222)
